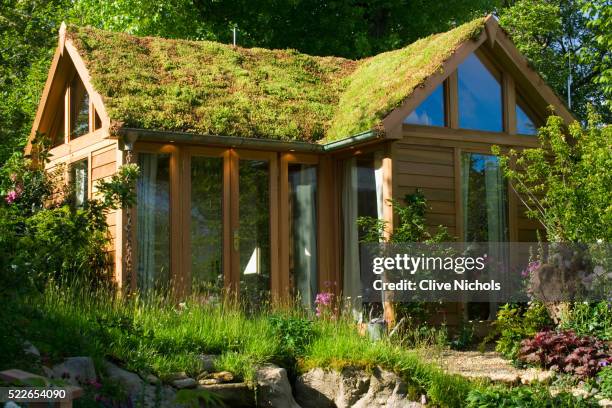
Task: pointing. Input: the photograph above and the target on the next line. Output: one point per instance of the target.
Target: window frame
(94, 121)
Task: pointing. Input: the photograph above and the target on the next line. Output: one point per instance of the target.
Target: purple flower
(530, 268)
(11, 197)
(603, 363)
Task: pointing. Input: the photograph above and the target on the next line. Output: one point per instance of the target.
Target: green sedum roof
(211, 88)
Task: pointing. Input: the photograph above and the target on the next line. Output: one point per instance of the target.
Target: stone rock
(605, 403)
(184, 383)
(151, 379)
(235, 395)
(75, 370)
(352, 388)
(223, 376)
(131, 382)
(180, 375)
(30, 349)
(139, 392)
(208, 381)
(208, 362)
(273, 388)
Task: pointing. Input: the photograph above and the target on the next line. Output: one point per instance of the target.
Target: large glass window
(78, 176)
(254, 230)
(153, 221)
(206, 224)
(431, 111)
(480, 97)
(79, 109)
(303, 231)
(362, 196)
(485, 219)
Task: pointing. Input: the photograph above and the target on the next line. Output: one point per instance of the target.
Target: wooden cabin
(255, 163)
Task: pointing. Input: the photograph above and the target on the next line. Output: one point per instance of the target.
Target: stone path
(490, 364)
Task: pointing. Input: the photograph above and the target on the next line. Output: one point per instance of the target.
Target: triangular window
(431, 111)
(480, 97)
(524, 124)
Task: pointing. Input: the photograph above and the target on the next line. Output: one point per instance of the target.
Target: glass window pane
(207, 225)
(79, 109)
(254, 231)
(153, 221)
(484, 199)
(79, 181)
(480, 97)
(524, 124)
(431, 111)
(303, 231)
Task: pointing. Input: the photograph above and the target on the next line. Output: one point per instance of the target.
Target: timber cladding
(431, 170)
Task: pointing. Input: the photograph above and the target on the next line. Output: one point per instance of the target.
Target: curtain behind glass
(303, 263)
(153, 221)
(484, 198)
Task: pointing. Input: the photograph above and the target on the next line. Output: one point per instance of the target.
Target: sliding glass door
(252, 231)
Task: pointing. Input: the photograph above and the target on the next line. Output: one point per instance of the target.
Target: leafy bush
(532, 397)
(565, 352)
(294, 332)
(515, 323)
(604, 379)
(594, 319)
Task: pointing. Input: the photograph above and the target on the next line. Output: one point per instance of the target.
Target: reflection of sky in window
(524, 124)
(431, 111)
(480, 100)
(478, 162)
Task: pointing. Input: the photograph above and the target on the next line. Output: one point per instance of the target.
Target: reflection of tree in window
(254, 231)
(79, 182)
(431, 111)
(480, 97)
(79, 109)
(206, 224)
(303, 231)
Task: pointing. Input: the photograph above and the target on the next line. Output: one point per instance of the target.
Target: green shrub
(519, 397)
(604, 379)
(590, 319)
(295, 333)
(515, 323)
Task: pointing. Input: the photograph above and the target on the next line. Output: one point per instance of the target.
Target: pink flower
(530, 269)
(11, 197)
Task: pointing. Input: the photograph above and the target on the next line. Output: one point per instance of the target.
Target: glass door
(252, 208)
(206, 203)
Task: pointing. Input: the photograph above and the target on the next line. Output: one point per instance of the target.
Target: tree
(559, 38)
(566, 181)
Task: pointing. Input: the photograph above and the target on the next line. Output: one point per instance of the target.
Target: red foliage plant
(582, 356)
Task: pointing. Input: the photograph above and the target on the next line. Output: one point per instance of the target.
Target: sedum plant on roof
(205, 87)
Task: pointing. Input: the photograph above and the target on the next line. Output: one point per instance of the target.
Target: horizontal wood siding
(430, 169)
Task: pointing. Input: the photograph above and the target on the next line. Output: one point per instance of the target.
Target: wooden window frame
(283, 208)
(68, 112)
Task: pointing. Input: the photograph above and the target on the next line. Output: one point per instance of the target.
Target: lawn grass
(156, 336)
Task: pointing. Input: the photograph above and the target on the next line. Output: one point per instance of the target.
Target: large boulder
(273, 388)
(352, 388)
(75, 370)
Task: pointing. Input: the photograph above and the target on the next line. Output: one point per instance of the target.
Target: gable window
(480, 97)
(431, 111)
(78, 176)
(79, 109)
(525, 125)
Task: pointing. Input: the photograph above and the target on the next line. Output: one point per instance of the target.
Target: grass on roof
(211, 88)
